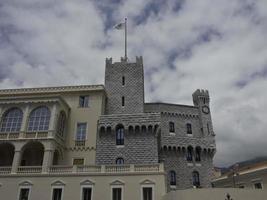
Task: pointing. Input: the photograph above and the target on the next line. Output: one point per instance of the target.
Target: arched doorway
(32, 154)
(6, 154)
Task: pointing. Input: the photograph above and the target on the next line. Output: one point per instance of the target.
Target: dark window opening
(87, 193)
(171, 127)
(123, 80)
(120, 161)
(189, 154)
(189, 128)
(122, 101)
(198, 154)
(57, 194)
(120, 136)
(147, 193)
(116, 194)
(172, 178)
(84, 101)
(24, 194)
(196, 181)
(258, 185)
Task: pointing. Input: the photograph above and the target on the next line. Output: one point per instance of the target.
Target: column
(47, 160)
(24, 124)
(16, 160)
(53, 119)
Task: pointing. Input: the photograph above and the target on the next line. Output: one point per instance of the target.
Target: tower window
(172, 178)
(198, 154)
(119, 161)
(123, 80)
(122, 101)
(171, 127)
(189, 154)
(188, 128)
(120, 135)
(195, 177)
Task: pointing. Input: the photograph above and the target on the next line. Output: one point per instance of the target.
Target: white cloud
(206, 44)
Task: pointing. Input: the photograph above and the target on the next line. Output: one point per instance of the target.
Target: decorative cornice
(180, 115)
(58, 89)
(81, 148)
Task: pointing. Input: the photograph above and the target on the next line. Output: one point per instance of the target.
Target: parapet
(108, 61)
(199, 95)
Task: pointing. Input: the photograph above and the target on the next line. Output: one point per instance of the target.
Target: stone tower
(124, 83)
(201, 100)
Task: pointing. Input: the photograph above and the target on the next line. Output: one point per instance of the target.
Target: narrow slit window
(122, 101)
(208, 128)
(123, 80)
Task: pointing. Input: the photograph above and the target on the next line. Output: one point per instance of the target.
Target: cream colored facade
(253, 176)
(42, 160)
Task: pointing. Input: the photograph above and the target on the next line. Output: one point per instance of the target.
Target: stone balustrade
(85, 169)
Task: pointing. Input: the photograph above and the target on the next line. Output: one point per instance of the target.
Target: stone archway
(32, 154)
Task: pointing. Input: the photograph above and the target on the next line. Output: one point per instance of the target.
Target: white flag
(120, 26)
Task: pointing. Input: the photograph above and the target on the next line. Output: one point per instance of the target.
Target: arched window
(39, 119)
(171, 127)
(172, 175)
(188, 128)
(61, 123)
(120, 135)
(198, 154)
(189, 156)
(119, 161)
(11, 121)
(195, 176)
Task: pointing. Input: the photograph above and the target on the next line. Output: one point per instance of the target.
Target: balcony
(31, 135)
(85, 169)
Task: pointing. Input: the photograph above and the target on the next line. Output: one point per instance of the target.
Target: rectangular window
(24, 194)
(171, 127)
(258, 185)
(78, 161)
(189, 128)
(86, 193)
(81, 131)
(122, 101)
(116, 193)
(83, 101)
(57, 194)
(123, 80)
(147, 193)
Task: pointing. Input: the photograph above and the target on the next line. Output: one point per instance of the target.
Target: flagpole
(125, 39)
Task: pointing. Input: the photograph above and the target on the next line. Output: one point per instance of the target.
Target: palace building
(102, 142)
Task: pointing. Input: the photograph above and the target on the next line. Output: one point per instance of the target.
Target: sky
(186, 44)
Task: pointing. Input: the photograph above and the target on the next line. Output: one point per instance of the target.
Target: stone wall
(132, 90)
(138, 148)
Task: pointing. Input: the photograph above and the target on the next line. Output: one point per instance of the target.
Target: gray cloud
(186, 45)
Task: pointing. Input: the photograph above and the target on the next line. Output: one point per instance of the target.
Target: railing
(79, 143)
(117, 168)
(146, 168)
(29, 170)
(85, 169)
(88, 168)
(60, 169)
(30, 135)
(5, 170)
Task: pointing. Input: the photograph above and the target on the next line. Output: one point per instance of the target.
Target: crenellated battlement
(201, 96)
(108, 61)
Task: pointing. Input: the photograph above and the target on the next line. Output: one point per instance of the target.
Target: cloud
(186, 44)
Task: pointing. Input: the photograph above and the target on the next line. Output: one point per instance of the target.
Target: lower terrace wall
(216, 194)
(41, 186)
